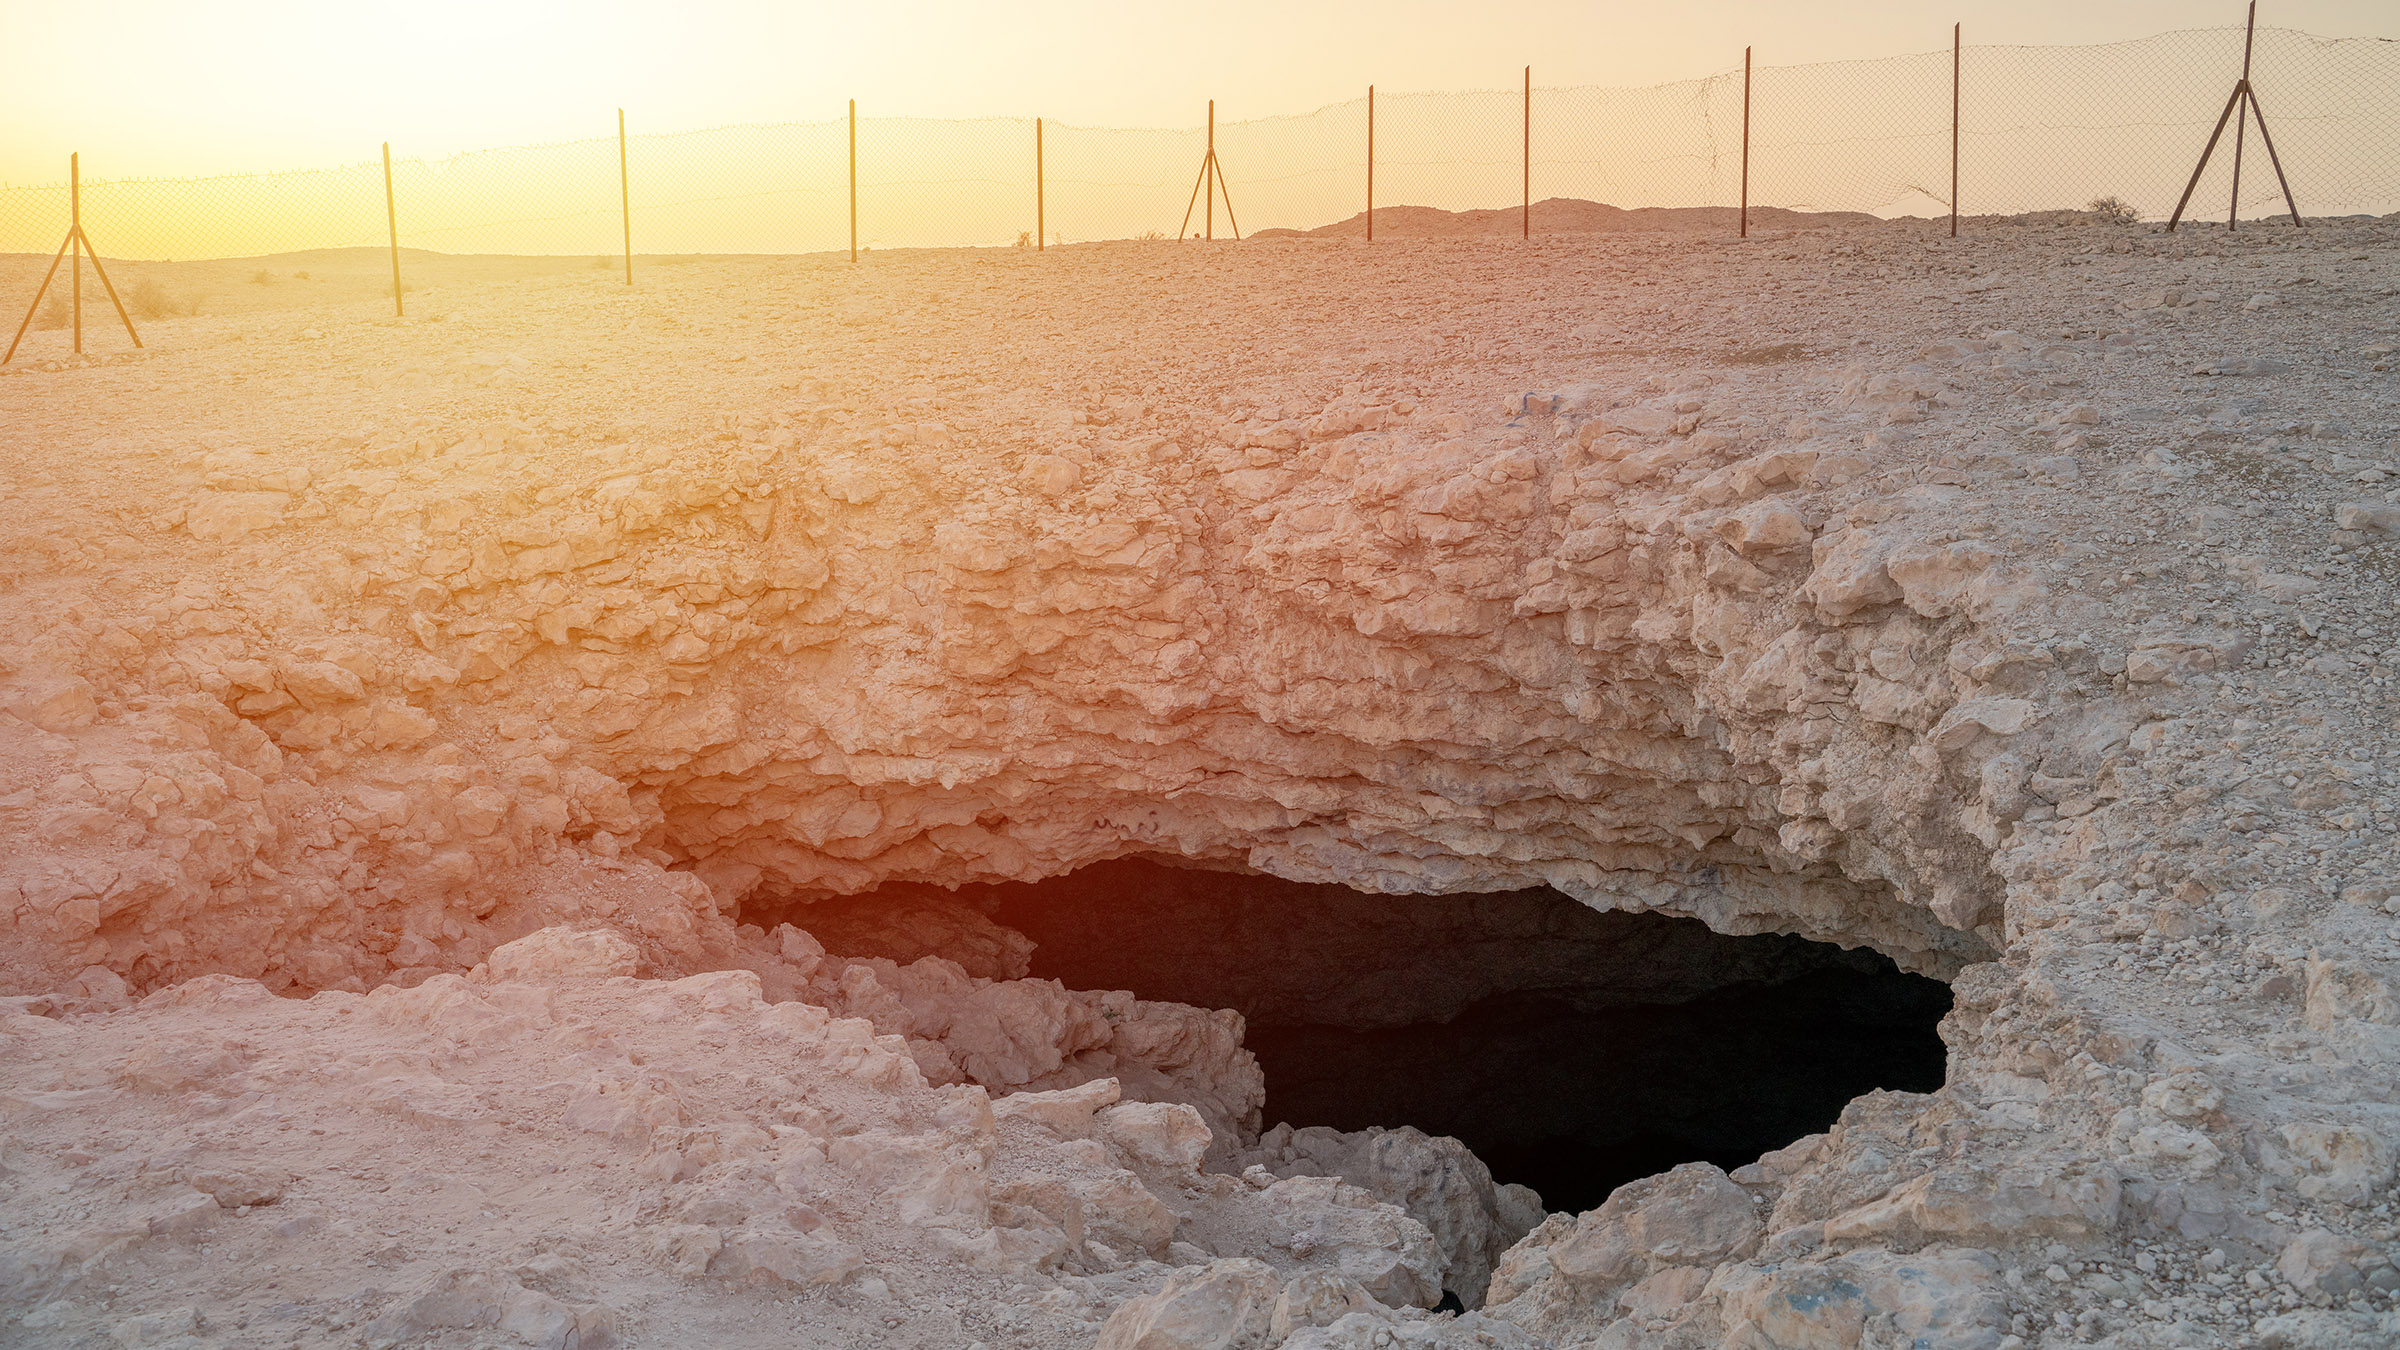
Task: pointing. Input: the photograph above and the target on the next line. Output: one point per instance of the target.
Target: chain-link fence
(2037, 128)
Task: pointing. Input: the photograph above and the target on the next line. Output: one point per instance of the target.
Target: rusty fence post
(2265, 137)
(1526, 221)
(1209, 183)
(1956, 50)
(1370, 164)
(391, 221)
(1040, 223)
(2244, 101)
(2233, 214)
(39, 292)
(111, 287)
(82, 244)
(1199, 180)
(854, 180)
(625, 195)
(75, 233)
(1745, 142)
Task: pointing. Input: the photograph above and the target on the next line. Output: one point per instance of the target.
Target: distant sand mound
(1560, 215)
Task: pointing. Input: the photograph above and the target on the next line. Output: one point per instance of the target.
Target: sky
(182, 88)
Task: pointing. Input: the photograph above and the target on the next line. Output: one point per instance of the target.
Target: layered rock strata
(2038, 639)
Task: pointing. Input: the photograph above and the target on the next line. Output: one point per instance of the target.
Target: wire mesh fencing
(2034, 128)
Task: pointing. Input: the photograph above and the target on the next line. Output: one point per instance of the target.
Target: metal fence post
(2244, 101)
(1955, 49)
(2233, 214)
(854, 180)
(1040, 224)
(1745, 142)
(1370, 164)
(1209, 221)
(76, 239)
(1526, 221)
(625, 195)
(75, 231)
(391, 220)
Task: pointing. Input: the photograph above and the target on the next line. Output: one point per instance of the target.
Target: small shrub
(262, 277)
(1151, 235)
(604, 262)
(299, 276)
(1024, 239)
(54, 314)
(151, 301)
(2113, 211)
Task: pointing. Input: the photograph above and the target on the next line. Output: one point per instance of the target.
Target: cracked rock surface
(421, 746)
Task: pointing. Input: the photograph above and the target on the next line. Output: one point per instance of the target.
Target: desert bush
(1151, 235)
(262, 277)
(299, 276)
(2113, 210)
(1024, 239)
(150, 300)
(54, 314)
(604, 262)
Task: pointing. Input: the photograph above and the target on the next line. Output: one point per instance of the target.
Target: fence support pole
(1209, 220)
(1745, 142)
(2206, 151)
(1526, 220)
(39, 292)
(75, 231)
(854, 180)
(391, 221)
(1039, 223)
(2243, 102)
(2265, 136)
(2233, 214)
(78, 240)
(1370, 164)
(1200, 179)
(1956, 49)
(127, 319)
(625, 195)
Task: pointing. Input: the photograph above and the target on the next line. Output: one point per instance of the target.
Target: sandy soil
(2019, 606)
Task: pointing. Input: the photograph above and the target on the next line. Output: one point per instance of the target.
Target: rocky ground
(418, 732)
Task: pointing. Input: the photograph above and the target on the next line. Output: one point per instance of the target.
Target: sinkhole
(1573, 1050)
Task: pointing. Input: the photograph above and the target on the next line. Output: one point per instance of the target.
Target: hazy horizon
(267, 87)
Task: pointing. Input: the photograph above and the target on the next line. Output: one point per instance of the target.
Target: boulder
(565, 954)
(1225, 1305)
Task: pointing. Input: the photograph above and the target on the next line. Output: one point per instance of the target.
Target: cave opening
(1572, 1050)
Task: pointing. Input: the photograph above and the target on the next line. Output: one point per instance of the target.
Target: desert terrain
(424, 743)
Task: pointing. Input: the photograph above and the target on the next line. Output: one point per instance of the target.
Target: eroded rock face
(701, 1139)
(2027, 688)
(1434, 1179)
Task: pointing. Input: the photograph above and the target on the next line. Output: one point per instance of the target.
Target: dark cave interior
(1573, 1050)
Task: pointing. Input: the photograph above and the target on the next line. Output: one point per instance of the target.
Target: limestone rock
(1435, 1180)
(1226, 1305)
(565, 953)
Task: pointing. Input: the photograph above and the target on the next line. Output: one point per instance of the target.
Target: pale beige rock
(1315, 1299)
(563, 953)
(1435, 1180)
(1158, 1135)
(1227, 1305)
(1769, 526)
